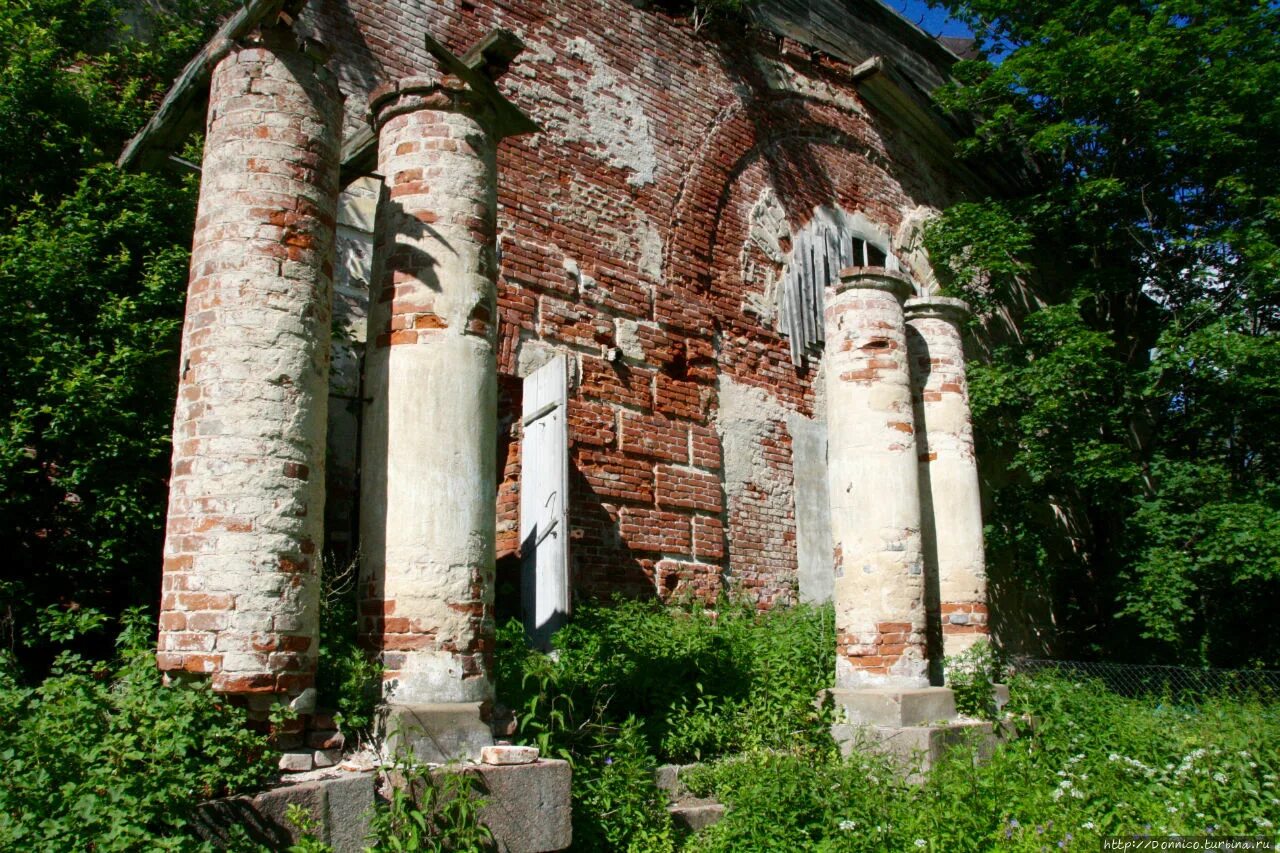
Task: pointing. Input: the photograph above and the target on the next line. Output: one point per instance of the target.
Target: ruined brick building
(549, 300)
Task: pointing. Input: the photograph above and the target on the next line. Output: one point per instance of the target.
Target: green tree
(92, 272)
(1135, 420)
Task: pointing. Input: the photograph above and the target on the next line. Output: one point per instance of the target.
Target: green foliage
(1131, 426)
(703, 683)
(92, 270)
(971, 675)
(617, 806)
(430, 813)
(1093, 764)
(347, 678)
(104, 756)
(636, 683)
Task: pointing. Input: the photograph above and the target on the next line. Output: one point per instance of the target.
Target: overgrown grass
(635, 685)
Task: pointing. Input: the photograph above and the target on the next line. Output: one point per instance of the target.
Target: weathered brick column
(951, 506)
(429, 482)
(875, 498)
(246, 502)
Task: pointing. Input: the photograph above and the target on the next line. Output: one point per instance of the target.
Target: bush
(104, 756)
(347, 678)
(636, 683)
(972, 676)
(702, 684)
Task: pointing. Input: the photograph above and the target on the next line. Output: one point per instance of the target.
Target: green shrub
(617, 805)
(347, 678)
(738, 688)
(104, 756)
(972, 676)
(703, 684)
(429, 813)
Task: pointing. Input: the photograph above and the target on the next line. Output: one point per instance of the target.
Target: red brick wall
(623, 227)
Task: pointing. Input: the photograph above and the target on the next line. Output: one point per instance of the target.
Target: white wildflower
(847, 825)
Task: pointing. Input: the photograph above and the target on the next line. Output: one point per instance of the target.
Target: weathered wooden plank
(544, 492)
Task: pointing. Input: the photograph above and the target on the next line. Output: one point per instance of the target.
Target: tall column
(429, 480)
(246, 502)
(951, 506)
(875, 498)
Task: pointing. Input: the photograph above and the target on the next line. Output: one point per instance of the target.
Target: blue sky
(933, 21)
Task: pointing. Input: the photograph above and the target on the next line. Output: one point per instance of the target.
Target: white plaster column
(951, 505)
(875, 496)
(429, 482)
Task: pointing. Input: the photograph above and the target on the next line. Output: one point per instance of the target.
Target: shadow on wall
(601, 564)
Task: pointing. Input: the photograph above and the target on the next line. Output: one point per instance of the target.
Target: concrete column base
(435, 734)
(895, 706)
(916, 749)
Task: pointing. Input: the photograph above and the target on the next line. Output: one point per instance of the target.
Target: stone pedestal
(893, 707)
(437, 733)
(874, 487)
(246, 499)
(915, 727)
(951, 508)
(428, 487)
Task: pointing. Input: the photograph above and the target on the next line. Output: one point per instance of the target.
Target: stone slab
(528, 807)
(695, 815)
(340, 805)
(435, 734)
(898, 707)
(916, 749)
(505, 755)
(670, 778)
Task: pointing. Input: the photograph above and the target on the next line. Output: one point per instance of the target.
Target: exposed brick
(689, 489)
(617, 382)
(654, 435)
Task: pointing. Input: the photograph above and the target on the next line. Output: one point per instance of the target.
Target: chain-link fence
(1179, 683)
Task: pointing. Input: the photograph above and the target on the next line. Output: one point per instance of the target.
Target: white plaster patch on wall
(908, 244)
(783, 78)
(602, 111)
(612, 115)
(746, 416)
(768, 228)
(648, 243)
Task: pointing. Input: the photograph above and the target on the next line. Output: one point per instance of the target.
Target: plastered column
(429, 484)
(875, 498)
(951, 506)
(246, 503)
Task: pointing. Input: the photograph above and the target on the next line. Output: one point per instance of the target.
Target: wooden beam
(511, 121)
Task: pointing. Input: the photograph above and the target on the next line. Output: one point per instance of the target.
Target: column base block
(527, 806)
(916, 749)
(435, 734)
(895, 706)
